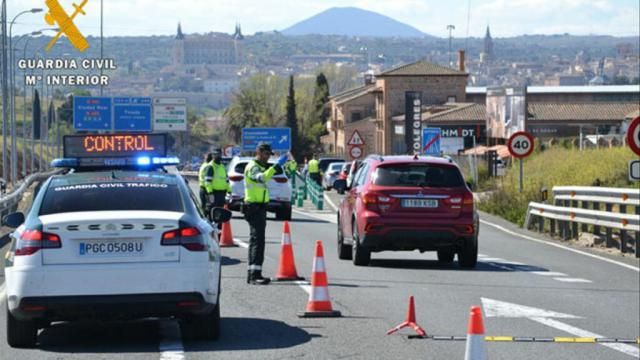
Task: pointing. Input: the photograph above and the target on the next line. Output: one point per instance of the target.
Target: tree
(36, 116)
(292, 118)
(320, 100)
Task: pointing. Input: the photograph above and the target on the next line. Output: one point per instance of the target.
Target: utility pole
(5, 90)
(450, 28)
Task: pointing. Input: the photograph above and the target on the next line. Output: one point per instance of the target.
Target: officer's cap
(265, 147)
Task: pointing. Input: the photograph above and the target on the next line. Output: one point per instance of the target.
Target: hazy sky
(506, 17)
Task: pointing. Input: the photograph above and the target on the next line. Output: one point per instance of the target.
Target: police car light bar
(142, 162)
(64, 163)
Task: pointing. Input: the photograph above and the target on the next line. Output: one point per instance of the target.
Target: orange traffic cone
(475, 336)
(410, 321)
(319, 304)
(287, 269)
(226, 237)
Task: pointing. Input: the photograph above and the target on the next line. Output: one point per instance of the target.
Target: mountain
(351, 21)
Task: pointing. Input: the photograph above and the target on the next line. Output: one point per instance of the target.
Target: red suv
(408, 203)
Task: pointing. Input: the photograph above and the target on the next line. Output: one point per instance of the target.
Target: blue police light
(64, 163)
(143, 161)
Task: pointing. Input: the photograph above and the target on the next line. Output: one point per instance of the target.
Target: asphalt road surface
(526, 289)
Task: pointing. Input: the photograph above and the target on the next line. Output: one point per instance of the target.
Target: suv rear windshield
(418, 175)
(63, 198)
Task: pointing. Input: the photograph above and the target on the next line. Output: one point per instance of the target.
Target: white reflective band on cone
(320, 294)
(475, 348)
(255, 267)
(286, 239)
(318, 265)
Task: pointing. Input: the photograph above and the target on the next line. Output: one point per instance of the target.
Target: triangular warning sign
(356, 139)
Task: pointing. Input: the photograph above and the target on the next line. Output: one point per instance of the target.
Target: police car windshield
(106, 192)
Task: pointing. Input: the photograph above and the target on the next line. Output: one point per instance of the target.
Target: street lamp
(450, 28)
(14, 152)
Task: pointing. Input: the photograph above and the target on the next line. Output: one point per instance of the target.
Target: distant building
(565, 80)
(209, 49)
(487, 54)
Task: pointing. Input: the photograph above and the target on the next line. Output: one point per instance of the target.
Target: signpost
(132, 113)
(356, 139)
(170, 114)
(520, 145)
(431, 141)
(355, 152)
(91, 113)
(279, 138)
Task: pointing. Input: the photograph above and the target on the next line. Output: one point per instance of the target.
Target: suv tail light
(236, 177)
(281, 180)
(31, 241)
(467, 202)
(377, 201)
(188, 237)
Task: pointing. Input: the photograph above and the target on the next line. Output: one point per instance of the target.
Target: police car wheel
(203, 327)
(21, 334)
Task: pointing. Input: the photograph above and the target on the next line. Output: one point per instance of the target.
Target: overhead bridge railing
(9, 202)
(581, 205)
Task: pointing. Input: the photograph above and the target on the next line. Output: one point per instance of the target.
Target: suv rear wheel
(468, 255)
(446, 255)
(21, 334)
(344, 251)
(361, 256)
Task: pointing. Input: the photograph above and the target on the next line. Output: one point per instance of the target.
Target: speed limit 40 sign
(520, 144)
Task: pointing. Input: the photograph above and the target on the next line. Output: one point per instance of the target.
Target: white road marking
(572, 280)
(496, 308)
(241, 243)
(2, 293)
(548, 273)
(171, 340)
(328, 200)
(631, 267)
(623, 348)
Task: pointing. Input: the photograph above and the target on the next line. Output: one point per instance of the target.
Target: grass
(557, 166)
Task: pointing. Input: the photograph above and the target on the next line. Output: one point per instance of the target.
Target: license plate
(419, 203)
(111, 248)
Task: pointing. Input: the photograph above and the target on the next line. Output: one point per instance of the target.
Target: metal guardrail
(316, 193)
(576, 205)
(9, 202)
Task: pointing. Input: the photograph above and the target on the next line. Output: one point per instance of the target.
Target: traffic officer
(219, 184)
(314, 170)
(205, 182)
(290, 167)
(256, 198)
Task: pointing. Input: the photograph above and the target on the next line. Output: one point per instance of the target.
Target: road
(526, 288)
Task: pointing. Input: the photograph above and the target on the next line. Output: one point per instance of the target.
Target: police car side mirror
(13, 220)
(220, 215)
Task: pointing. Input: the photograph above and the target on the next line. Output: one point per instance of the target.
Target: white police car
(126, 241)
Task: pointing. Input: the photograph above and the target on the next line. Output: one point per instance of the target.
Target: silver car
(279, 189)
(332, 173)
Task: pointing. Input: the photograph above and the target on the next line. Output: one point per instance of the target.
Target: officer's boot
(257, 279)
(249, 277)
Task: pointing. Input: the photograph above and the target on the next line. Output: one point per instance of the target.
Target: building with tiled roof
(422, 68)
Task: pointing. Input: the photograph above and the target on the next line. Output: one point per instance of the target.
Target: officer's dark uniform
(256, 198)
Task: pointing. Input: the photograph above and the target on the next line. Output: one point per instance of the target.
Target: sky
(506, 18)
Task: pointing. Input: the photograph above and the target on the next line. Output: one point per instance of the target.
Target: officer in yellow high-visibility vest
(291, 167)
(256, 198)
(219, 183)
(314, 170)
(205, 182)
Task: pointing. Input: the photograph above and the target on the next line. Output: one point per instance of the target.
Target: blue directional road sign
(132, 113)
(279, 138)
(91, 113)
(431, 141)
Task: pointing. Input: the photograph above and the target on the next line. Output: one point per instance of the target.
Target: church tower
(178, 47)
(488, 45)
(237, 39)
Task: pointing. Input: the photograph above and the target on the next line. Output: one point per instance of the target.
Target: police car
(116, 237)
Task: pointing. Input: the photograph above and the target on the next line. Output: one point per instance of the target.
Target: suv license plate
(419, 203)
(111, 248)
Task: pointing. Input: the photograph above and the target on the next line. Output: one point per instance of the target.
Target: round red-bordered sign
(520, 144)
(633, 136)
(355, 152)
